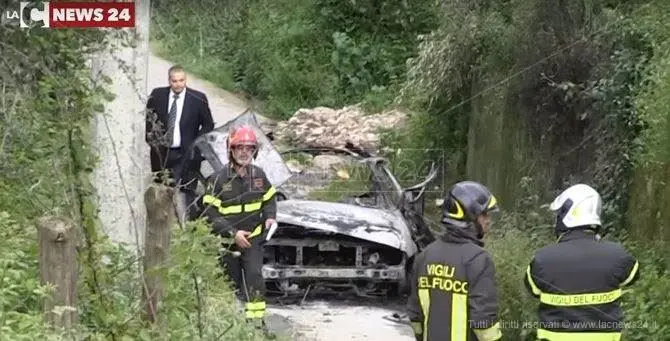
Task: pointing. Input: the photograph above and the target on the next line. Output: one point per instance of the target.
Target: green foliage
(296, 53)
(569, 75)
(652, 20)
(514, 237)
(643, 304)
(563, 91)
(48, 100)
(200, 302)
(441, 79)
(527, 227)
(351, 181)
(41, 112)
(20, 290)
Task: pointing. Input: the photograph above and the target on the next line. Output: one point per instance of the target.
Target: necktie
(172, 117)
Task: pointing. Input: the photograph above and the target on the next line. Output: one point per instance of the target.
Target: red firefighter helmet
(240, 136)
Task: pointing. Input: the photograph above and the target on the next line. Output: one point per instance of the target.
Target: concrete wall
(123, 170)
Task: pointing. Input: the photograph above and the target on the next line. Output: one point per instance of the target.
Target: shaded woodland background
(526, 96)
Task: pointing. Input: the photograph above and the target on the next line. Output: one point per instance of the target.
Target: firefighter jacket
(579, 281)
(233, 203)
(453, 291)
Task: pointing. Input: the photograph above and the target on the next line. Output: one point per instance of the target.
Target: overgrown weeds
(296, 53)
(46, 157)
(527, 227)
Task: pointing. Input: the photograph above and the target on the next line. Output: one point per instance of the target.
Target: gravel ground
(314, 320)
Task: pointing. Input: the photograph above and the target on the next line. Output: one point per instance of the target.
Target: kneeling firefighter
(579, 279)
(453, 290)
(240, 203)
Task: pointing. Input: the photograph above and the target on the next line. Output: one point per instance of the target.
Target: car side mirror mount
(414, 195)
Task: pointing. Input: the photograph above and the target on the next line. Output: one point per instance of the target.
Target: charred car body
(365, 243)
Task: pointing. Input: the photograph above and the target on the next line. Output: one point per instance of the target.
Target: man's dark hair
(175, 68)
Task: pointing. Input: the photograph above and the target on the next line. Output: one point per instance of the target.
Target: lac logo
(31, 13)
(74, 14)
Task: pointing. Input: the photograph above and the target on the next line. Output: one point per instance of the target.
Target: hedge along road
(314, 320)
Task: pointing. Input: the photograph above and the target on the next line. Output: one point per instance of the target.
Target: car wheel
(281, 196)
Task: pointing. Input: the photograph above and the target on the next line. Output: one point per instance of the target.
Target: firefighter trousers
(245, 271)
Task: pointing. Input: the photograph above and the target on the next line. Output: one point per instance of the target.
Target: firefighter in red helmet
(240, 203)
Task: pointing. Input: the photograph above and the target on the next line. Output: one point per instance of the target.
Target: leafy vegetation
(532, 97)
(289, 53)
(48, 99)
(525, 96)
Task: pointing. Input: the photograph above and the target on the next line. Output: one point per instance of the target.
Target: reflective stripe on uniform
(224, 210)
(631, 275)
(424, 300)
(211, 200)
(417, 327)
(255, 310)
(459, 317)
(268, 195)
(256, 232)
(574, 300)
(533, 286)
(577, 336)
(232, 209)
(254, 206)
(490, 334)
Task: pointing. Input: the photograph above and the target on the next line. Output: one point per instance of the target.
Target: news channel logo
(30, 14)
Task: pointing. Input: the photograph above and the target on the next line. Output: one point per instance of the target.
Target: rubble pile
(332, 128)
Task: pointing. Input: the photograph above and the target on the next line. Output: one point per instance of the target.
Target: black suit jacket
(196, 119)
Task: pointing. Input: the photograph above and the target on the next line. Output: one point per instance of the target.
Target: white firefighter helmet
(579, 205)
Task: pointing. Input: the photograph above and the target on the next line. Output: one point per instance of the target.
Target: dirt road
(313, 320)
(333, 321)
(224, 105)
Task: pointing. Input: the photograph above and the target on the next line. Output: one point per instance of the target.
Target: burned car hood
(385, 227)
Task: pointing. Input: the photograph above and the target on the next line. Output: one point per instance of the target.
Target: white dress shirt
(176, 138)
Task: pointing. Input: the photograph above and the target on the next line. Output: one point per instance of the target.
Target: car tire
(281, 196)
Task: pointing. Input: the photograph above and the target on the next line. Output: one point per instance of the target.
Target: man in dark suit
(176, 116)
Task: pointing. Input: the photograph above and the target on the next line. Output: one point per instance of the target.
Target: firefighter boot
(260, 324)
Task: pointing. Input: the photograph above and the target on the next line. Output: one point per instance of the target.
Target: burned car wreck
(365, 243)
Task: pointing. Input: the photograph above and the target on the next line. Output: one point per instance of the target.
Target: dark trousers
(246, 273)
(177, 173)
(172, 166)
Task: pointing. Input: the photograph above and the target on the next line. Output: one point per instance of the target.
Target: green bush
(514, 238)
(528, 227)
(20, 290)
(46, 158)
(198, 301)
(644, 304)
(296, 53)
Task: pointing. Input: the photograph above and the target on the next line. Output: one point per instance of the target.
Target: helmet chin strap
(560, 228)
(478, 229)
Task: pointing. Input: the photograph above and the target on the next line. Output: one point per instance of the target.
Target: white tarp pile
(332, 128)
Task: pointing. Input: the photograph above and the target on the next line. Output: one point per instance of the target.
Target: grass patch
(205, 66)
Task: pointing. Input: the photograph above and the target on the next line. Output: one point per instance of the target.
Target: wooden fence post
(58, 267)
(160, 219)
